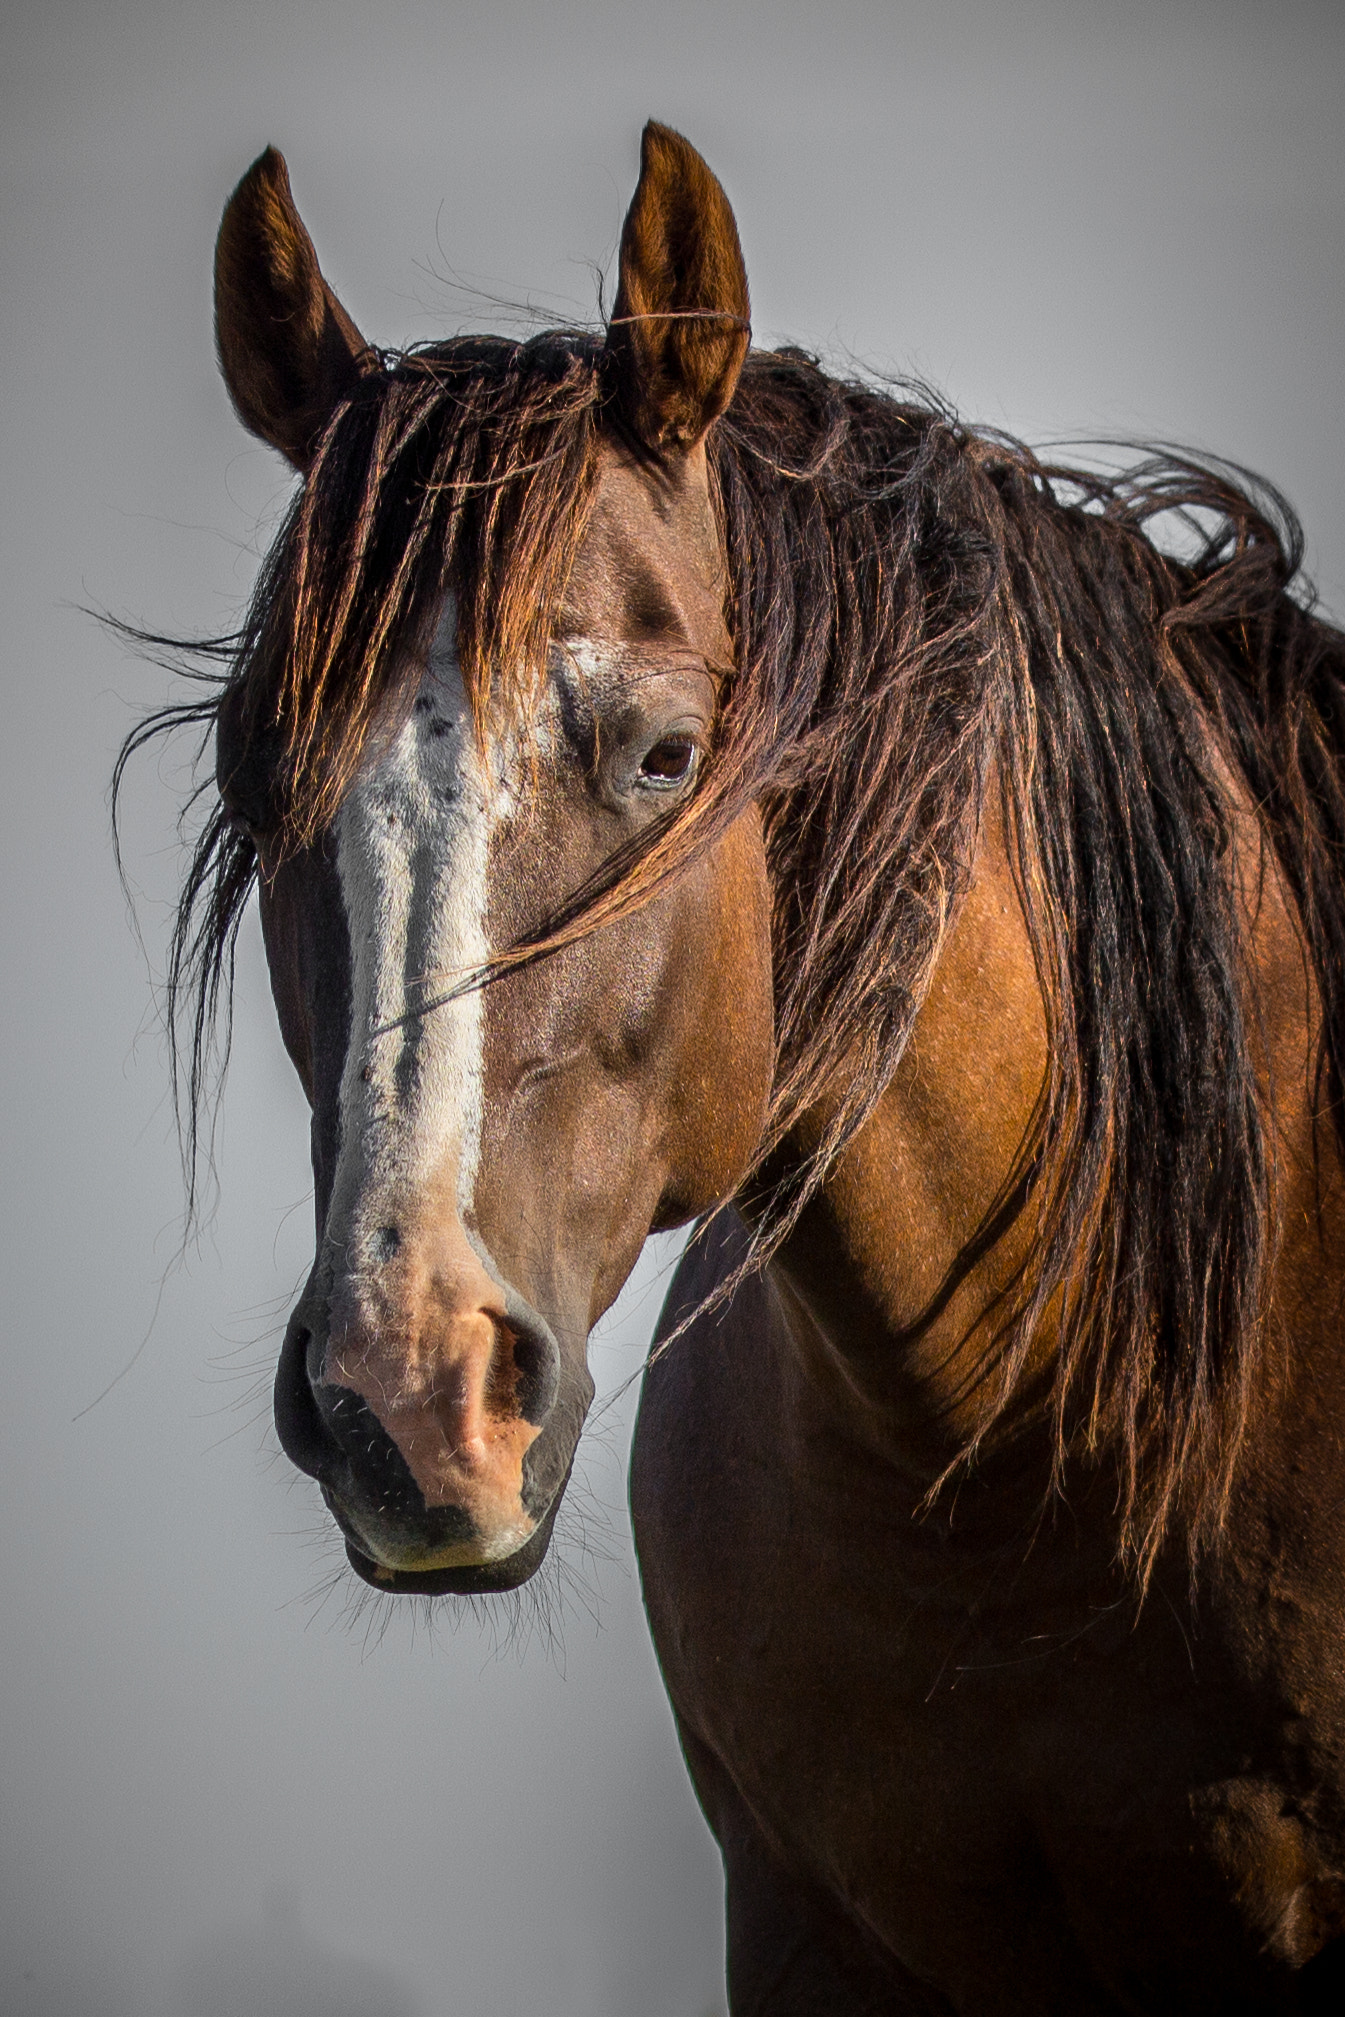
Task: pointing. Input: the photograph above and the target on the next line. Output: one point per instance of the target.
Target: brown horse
(674, 776)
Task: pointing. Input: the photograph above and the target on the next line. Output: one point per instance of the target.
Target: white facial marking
(413, 848)
(413, 842)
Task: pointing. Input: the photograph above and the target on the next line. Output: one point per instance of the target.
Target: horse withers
(682, 785)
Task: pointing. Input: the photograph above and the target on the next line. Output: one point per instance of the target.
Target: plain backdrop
(224, 1787)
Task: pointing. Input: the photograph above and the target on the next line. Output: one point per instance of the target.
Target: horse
(683, 786)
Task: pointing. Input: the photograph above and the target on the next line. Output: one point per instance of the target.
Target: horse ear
(288, 350)
(679, 331)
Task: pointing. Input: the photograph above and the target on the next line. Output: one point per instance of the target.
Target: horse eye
(669, 761)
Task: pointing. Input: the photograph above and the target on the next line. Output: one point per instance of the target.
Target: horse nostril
(386, 1242)
(298, 1424)
(537, 1364)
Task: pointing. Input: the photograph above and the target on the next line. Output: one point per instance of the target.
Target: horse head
(510, 1084)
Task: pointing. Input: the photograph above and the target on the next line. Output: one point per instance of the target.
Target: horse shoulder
(707, 1487)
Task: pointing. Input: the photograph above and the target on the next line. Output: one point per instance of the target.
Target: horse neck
(893, 1283)
(890, 1274)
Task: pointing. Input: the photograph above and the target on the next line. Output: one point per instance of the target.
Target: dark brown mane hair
(921, 613)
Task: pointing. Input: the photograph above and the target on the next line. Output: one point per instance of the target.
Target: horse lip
(464, 1581)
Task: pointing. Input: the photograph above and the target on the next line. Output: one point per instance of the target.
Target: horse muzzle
(441, 1430)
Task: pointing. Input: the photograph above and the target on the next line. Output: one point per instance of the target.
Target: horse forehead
(650, 567)
(423, 806)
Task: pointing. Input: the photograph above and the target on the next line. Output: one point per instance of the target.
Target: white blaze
(413, 841)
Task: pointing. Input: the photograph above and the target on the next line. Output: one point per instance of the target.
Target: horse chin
(461, 1579)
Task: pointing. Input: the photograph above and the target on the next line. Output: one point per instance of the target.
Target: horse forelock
(463, 467)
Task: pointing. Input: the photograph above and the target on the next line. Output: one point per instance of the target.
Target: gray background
(220, 1793)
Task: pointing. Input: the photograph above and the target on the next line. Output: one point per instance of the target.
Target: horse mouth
(472, 1579)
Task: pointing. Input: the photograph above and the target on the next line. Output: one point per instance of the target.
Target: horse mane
(936, 609)
(921, 612)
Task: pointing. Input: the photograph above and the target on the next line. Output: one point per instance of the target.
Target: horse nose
(460, 1393)
(413, 1385)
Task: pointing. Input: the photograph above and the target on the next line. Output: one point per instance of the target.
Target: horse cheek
(722, 1086)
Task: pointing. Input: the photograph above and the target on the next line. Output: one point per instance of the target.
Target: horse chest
(972, 1777)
